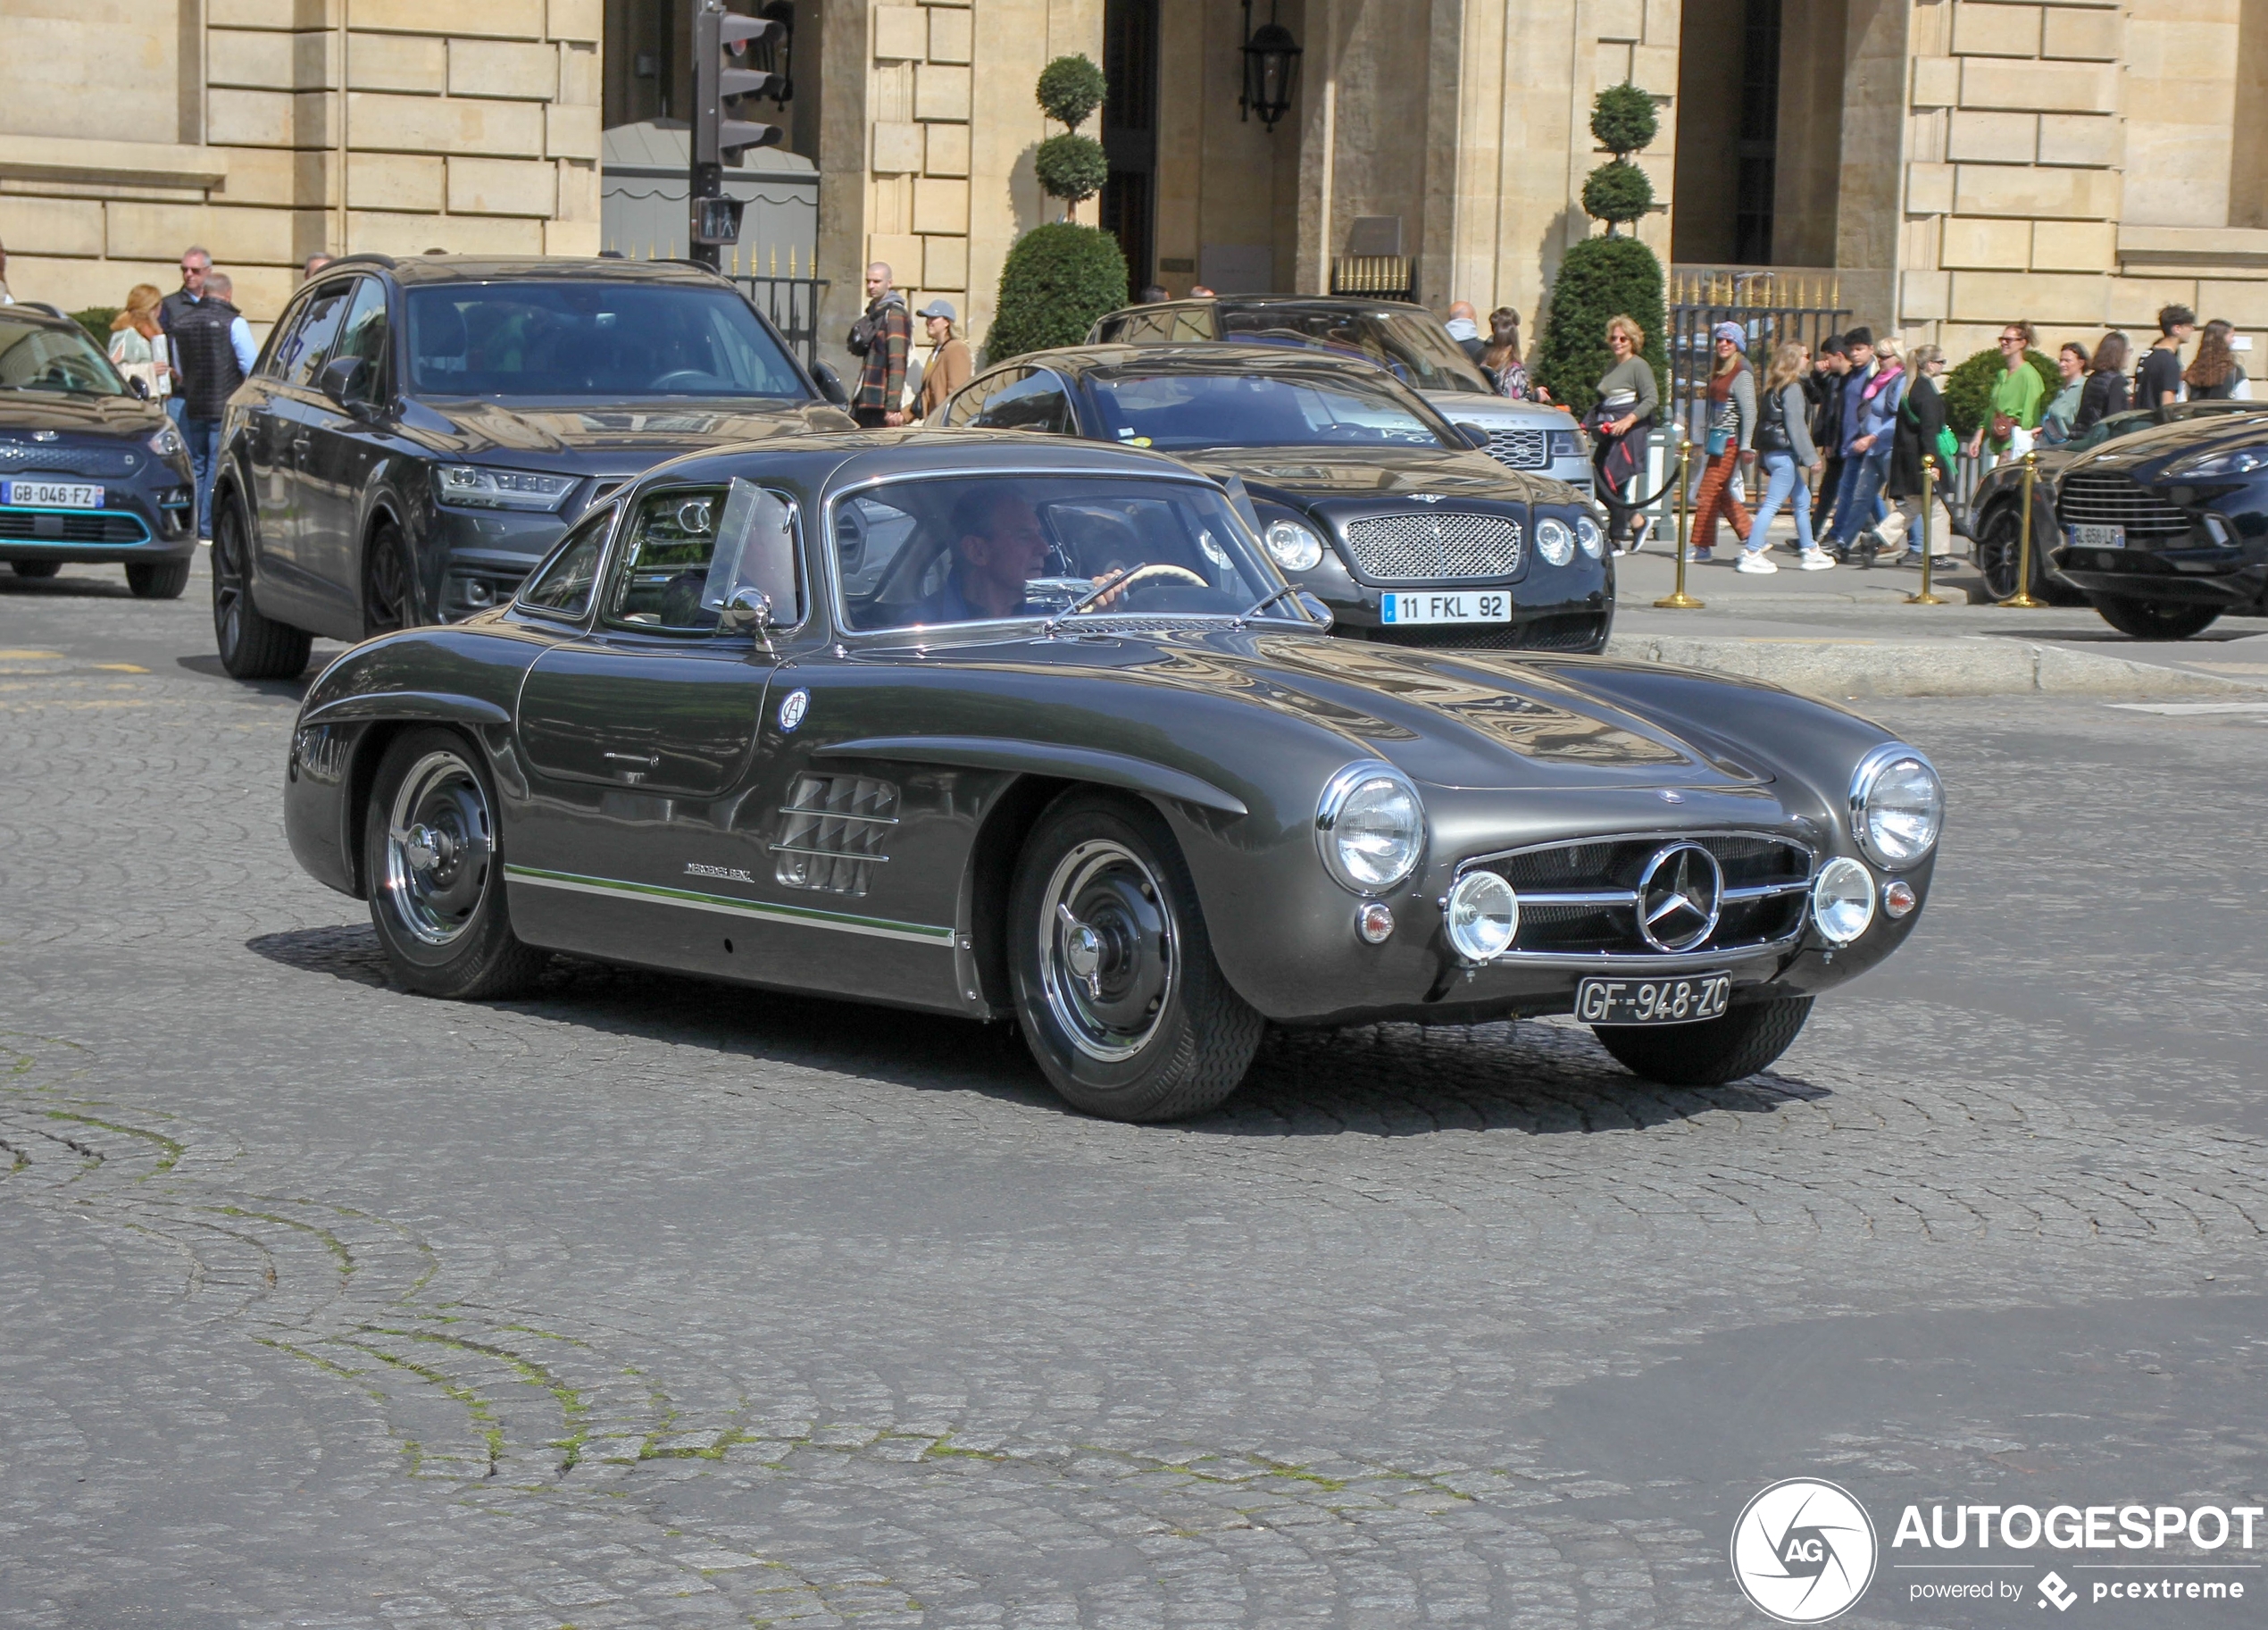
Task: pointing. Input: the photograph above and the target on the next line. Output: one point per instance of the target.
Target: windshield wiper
(1084, 601)
(1262, 604)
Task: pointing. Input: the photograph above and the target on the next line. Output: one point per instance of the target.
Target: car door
(293, 592)
(266, 455)
(340, 442)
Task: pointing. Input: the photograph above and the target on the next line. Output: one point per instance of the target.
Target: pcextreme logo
(1802, 1551)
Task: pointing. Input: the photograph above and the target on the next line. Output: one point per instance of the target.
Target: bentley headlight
(2230, 461)
(1370, 827)
(1587, 534)
(1897, 805)
(1483, 916)
(1842, 900)
(1293, 547)
(1554, 541)
(478, 487)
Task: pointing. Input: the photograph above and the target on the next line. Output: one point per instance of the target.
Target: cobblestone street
(655, 1302)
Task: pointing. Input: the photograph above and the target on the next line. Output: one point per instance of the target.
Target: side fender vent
(833, 831)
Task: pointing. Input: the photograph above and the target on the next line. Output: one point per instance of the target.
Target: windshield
(1251, 410)
(1413, 346)
(34, 356)
(614, 341)
(922, 552)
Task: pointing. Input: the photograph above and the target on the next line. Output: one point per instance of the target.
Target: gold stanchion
(1928, 496)
(1681, 600)
(2021, 599)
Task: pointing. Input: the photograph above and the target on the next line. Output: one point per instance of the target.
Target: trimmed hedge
(1968, 388)
(1057, 280)
(1070, 167)
(97, 320)
(1601, 278)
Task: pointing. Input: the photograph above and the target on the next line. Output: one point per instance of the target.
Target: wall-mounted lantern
(1270, 69)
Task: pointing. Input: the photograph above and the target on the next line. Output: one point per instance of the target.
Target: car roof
(41, 313)
(1326, 303)
(420, 269)
(835, 459)
(1213, 356)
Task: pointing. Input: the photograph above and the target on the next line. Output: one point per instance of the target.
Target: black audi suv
(89, 470)
(418, 433)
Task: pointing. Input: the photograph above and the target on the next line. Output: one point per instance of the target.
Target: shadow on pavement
(294, 687)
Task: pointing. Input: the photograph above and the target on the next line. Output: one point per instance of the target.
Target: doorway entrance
(1129, 204)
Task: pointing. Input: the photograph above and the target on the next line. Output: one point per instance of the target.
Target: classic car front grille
(2107, 497)
(1521, 449)
(68, 526)
(1433, 547)
(833, 831)
(1580, 898)
(1561, 632)
(21, 459)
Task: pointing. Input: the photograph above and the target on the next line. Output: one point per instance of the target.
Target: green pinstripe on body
(841, 922)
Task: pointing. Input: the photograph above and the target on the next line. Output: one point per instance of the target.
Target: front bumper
(2230, 578)
(1556, 608)
(136, 524)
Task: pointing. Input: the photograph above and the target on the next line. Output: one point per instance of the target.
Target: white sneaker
(1814, 560)
(1754, 560)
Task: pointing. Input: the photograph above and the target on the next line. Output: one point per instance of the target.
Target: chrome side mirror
(1312, 605)
(747, 608)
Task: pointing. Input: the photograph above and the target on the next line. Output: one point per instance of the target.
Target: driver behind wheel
(999, 545)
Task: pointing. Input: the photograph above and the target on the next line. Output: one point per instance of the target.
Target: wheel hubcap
(1106, 953)
(438, 844)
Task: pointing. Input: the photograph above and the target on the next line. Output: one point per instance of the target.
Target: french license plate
(51, 495)
(1424, 608)
(2098, 537)
(1681, 1000)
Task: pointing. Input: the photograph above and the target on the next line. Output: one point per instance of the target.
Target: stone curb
(1975, 667)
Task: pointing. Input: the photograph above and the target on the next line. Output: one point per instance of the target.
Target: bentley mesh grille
(1520, 449)
(2106, 497)
(19, 459)
(87, 526)
(1432, 548)
(1766, 879)
(1563, 631)
(833, 831)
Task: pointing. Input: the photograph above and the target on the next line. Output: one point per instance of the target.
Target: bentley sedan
(1363, 494)
(1007, 728)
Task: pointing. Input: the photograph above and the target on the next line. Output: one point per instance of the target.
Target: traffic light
(721, 42)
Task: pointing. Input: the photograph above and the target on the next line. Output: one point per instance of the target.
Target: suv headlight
(1554, 541)
(1897, 805)
(1587, 534)
(167, 443)
(2231, 461)
(1570, 444)
(478, 487)
(1370, 827)
(1293, 547)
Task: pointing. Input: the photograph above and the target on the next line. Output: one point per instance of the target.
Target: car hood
(25, 410)
(580, 434)
(1448, 719)
(2148, 455)
(1299, 475)
(1472, 407)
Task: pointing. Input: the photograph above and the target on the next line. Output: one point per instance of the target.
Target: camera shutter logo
(1804, 1551)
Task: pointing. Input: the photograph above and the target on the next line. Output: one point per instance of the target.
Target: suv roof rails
(371, 256)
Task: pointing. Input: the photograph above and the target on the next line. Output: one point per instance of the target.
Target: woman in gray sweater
(1628, 401)
(1783, 441)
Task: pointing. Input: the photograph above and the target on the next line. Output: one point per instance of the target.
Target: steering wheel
(681, 376)
(1157, 568)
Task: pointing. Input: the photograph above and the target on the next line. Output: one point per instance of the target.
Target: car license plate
(2098, 537)
(1653, 1001)
(1424, 607)
(51, 495)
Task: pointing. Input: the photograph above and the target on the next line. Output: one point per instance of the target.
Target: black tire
(432, 855)
(388, 600)
(37, 568)
(1999, 558)
(252, 645)
(2148, 620)
(1149, 1030)
(157, 580)
(1713, 1052)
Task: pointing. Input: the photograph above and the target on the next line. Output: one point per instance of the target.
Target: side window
(561, 586)
(969, 402)
(1039, 401)
(310, 342)
(275, 357)
(362, 337)
(688, 550)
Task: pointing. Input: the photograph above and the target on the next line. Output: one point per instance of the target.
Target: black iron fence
(1770, 307)
(793, 303)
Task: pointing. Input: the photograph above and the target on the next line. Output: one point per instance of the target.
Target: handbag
(1719, 439)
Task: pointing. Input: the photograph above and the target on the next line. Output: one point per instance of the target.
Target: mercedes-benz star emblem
(1679, 896)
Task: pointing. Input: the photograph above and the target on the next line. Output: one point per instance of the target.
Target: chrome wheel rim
(1107, 960)
(439, 844)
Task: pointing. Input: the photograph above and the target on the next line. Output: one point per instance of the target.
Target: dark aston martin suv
(418, 434)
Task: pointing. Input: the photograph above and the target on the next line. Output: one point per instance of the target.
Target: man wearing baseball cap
(949, 365)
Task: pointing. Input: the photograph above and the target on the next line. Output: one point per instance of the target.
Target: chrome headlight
(168, 444)
(1370, 827)
(1554, 541)
(478, 487)
(1897, 805)
(1483, 916)
(1293, 547)
(2232, 461)
(1587, 534)
(1842, 900)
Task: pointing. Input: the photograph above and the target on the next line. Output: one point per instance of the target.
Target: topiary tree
(1968, 388)
(1623, 119)
(1601, 278)
(1057, 280)
(97, 320)
(1070, 166)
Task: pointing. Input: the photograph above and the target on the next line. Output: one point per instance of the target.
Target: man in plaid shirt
(881, 382)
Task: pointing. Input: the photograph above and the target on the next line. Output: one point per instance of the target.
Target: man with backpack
(883, 337)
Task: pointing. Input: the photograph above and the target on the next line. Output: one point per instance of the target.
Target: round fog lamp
(1293, 547)
(1898, 897)
(1484, 917)
(1554, 541)
(1842, 901)
(1375, 922)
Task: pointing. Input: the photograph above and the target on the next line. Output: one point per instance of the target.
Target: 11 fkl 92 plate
(1487, 605)
(1685, 1000)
